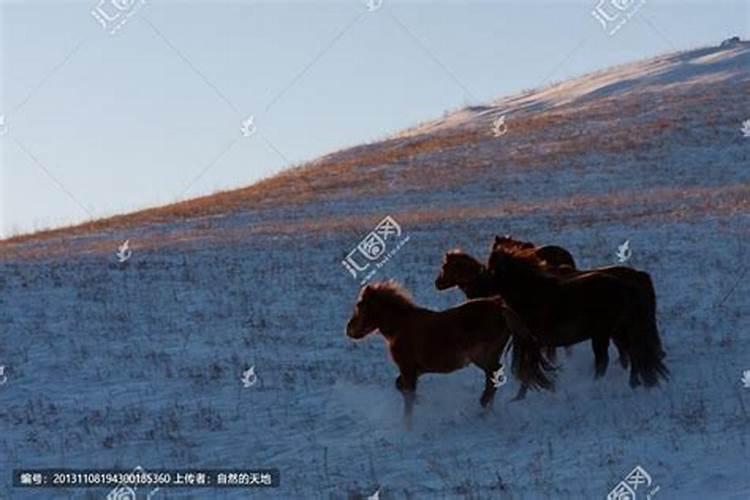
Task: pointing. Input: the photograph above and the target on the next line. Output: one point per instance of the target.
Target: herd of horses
(529, 299)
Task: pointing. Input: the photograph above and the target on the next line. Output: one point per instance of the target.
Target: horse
(422, 341)
(571, 308)
(560, 261)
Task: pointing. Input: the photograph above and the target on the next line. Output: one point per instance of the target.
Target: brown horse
(566, 309)
(560, 261)
(424, 341)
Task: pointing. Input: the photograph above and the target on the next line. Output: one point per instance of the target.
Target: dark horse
(570, 308)
(560, 261)
(424, 341)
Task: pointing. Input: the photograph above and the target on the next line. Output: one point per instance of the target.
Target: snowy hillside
(141, 363)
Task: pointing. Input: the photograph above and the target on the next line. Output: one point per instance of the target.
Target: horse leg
(521, 393)
(635, 379)
(600, 344)
(406, 383)
(488, 395)
(490, 364)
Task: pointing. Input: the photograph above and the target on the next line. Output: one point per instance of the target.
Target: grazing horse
(571, 308)
(424, 341)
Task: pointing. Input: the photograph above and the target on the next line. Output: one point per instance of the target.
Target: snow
(704, 65)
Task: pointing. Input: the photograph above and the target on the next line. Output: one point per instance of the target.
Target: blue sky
(99, 124)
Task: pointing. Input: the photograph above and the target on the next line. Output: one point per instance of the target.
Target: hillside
(140, 363)
(675, 106)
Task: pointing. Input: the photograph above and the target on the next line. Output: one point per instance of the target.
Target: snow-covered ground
(113, 365)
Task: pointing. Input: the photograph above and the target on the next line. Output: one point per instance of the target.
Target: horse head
(458, 269)
(376, 304)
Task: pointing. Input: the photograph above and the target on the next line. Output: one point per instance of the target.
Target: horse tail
(528, 364)
(650, 296)
(647, 352)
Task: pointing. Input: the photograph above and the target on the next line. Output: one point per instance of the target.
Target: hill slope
(141, 363)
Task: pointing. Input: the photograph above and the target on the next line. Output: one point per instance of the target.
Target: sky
(96, 123)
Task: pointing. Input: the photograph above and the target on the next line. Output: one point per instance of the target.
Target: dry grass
(658, 204)
(444, 160)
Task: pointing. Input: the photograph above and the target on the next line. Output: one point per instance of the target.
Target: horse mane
(509, 243)
(522, 258)
(457, 252)
(390, 293)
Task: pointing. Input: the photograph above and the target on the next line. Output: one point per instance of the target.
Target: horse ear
(366, 290)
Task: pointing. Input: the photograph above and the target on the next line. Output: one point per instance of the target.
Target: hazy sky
(98, 124)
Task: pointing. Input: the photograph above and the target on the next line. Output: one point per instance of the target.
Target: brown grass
(444, 160)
